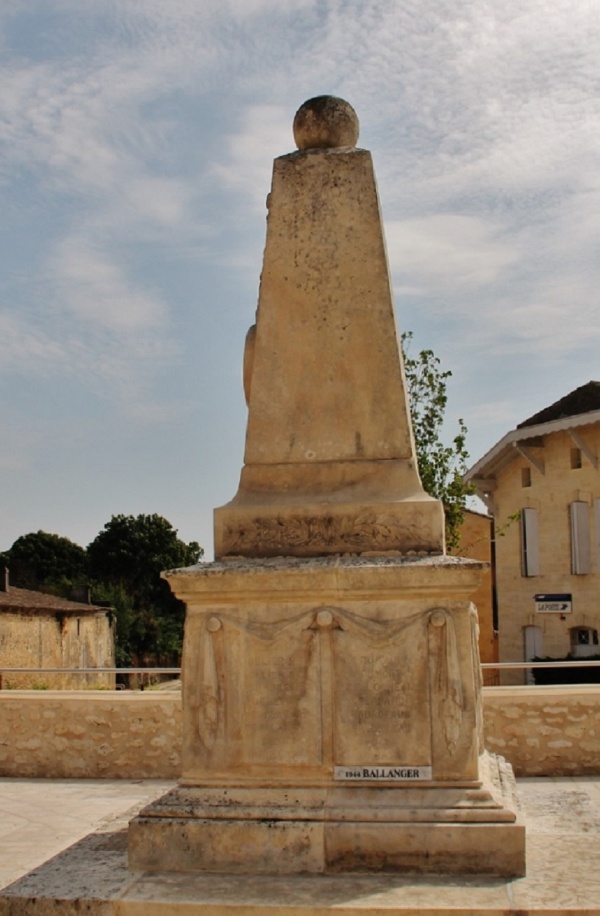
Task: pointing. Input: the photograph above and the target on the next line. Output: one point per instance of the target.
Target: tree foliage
(47, 562)
(441, 466)
(125, 560)
(116, 597)
(132, 551)
(122, 565)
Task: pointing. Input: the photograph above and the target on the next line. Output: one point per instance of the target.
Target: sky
(136, 148)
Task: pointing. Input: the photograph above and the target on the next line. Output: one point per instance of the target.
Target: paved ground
(39, 818)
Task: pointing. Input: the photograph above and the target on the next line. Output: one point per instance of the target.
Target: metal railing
(487, 669)
(581, 663)
(492, 671)
(176, 671)
(140, 676)
(519, 665)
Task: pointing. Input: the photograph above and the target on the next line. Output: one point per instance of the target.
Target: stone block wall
(54, 639)
(542, 731)
(90, 734)
(545, 731)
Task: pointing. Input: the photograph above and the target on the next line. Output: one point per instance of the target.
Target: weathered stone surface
(332, 705)
(325, 122)
(90, 734)
(457, 830)
(52, 734)
(299, 667)
(44, 631)
(330, 460)
(302, 673)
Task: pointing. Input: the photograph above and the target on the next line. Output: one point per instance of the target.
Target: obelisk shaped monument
(330, 461)
(331, 685)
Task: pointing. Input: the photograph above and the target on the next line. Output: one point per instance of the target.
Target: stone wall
(90, 734)
(542, 731)
(51, 638)
(545, 731)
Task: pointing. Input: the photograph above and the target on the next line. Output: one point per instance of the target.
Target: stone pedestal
(332, 722)
(331, 683)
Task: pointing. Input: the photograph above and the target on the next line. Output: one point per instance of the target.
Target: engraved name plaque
(375, 773)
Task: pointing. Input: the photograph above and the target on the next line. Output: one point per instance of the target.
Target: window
(580, 538)
(584, 642)
(575, 458)
(530, 560)
(525, 477)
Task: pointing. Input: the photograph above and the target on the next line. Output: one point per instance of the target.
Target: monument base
(327, 508)
(332, 722)
(443, 829)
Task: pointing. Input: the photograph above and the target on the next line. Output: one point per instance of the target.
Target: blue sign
(553, 603)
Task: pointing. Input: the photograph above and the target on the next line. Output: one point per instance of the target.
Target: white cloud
(27, 348)
(96, 290)
(502, 414)
(97, 325)
(444, 252)
(265, 132)
(161, 200)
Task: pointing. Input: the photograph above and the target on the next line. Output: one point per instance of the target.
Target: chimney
(80, 593)
(4, 586)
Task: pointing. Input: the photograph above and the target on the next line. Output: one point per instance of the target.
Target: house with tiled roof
(40, 631)
(541, 483)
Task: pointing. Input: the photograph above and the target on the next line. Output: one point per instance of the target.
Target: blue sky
(136, 145)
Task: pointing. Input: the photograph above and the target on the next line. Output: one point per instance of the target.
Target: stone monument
(332, 694)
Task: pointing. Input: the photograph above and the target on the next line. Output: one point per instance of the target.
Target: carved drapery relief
(281, 699)
(256, 694)
(474, 618)
(326, 686)
(210, 692)
(381, 690)
(378, 632)
(446, 682)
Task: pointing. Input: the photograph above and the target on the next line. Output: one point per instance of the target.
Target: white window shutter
(597, 519)
(530, 542)
(580, 538)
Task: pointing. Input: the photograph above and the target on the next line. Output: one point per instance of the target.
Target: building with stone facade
(476, 542)
(541, 483)
(43, 631)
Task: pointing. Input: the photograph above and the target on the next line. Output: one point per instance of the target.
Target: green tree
(47, 562)
(121, 603)
(128, 556)
(441, 466)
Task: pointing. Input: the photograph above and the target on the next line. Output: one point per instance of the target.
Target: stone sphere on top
(325, 122)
